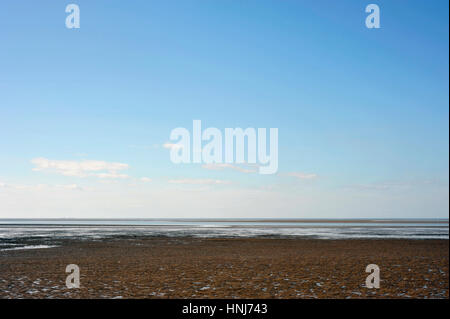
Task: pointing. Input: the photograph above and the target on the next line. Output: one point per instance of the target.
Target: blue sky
(362, 114)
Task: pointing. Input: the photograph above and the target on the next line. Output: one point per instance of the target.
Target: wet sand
(228, 268)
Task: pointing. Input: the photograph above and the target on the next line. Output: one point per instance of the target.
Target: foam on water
(29, 247)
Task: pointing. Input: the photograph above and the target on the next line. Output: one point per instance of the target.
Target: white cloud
(83, 168)
(194, 181)
(145, 179)
(301, 175)
(222, 166)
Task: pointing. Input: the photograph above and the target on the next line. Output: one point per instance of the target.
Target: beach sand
(228, 268)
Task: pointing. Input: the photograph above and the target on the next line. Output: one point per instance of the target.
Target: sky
(86, 114)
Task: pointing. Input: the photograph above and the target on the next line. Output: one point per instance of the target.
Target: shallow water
(43, 233)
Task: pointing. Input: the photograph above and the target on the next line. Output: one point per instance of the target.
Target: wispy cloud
(40, 186)
(85, 168)
(70, 186)
(144, 147)
(199, 181)
(172, 146)
(111, 175)
(301, 175)
(222, 166)
(397, 185)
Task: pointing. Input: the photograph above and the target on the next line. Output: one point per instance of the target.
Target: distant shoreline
(36, 230)
(211, 226)
(251, 220)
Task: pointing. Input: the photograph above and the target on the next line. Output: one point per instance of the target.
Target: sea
(18, 234)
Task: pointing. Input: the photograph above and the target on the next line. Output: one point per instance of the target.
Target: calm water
(42, 233)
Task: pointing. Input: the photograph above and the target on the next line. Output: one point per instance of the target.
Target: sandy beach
(228, 268)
